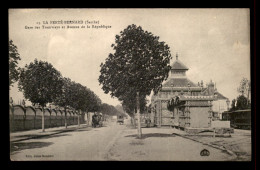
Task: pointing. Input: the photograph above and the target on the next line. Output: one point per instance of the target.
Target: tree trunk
(88, 118)
(133, 121)
(78, 118)
(43, 119)
(65, 118)
(139, 130)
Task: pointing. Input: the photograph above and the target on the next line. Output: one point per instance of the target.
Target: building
(200, 102)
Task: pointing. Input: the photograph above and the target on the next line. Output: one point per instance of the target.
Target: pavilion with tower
(198, 100)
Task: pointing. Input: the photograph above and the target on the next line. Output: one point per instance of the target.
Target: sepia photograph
(128, 84)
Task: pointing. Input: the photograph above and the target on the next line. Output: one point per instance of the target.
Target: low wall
(28, 118)
(220, 124)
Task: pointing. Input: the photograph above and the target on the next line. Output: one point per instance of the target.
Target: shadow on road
(54, 136)
(18, 146)
(82, 130)
(148, 135)
(35, 136)
(57, 133)
(73, 130)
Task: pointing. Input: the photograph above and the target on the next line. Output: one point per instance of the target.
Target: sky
(213, 43)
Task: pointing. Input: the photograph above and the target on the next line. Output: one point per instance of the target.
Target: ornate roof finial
(177, 56)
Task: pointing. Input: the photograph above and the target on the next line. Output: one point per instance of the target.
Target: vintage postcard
(130, 84)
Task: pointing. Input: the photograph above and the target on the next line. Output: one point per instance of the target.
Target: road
(82, 144)
(114, 142)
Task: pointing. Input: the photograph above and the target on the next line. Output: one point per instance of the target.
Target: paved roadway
(113, 142)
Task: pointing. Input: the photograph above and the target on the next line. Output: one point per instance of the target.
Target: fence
(28, 118)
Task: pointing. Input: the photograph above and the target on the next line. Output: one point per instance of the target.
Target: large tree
(140, 62)
(40, 83)
(14, 56)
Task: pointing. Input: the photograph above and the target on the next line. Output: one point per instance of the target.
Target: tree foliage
(82, 98)
(40, 82)
(244, 86)
(240, 103)
(140, 63)
(109, 110)
(64, 100)
(79, 96)
(94, 103)
(14, 56)
(243, 100)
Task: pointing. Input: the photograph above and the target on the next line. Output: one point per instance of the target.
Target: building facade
(199, 102)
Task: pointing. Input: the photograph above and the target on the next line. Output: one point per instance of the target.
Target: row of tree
(110, 110)
(138, 66)
(42, 84)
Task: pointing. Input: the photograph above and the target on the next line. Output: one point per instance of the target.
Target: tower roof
(178, 65)
(179, 82)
